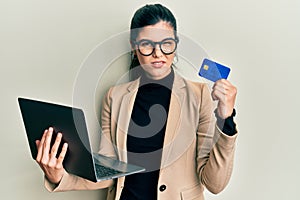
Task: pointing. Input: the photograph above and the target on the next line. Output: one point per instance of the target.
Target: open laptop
(79, 160)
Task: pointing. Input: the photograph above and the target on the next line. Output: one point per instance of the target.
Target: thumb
(213, 95)
(37, 142)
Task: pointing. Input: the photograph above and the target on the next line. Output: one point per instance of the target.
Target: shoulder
(197, 88)
(123, 88)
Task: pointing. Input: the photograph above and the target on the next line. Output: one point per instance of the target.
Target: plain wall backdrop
(44, 43)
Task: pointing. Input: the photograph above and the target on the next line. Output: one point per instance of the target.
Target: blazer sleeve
(215, 150)
(107, 145)
(73, 182)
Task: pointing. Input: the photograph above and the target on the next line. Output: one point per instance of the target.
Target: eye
(168, 43)
(145, 44)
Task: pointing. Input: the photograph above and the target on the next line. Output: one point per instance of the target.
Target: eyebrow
(157, 41)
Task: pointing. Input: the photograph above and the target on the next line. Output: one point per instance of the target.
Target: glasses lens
(168, 46)
(146, 47)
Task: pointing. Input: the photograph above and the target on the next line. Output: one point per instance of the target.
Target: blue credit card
(213, 71)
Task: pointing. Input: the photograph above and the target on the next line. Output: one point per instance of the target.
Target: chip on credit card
(213, 71)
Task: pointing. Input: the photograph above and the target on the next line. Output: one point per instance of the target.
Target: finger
(218, 95)
(220, 88)
(47, 142)
(55, 146)
(62, 155)
(40, 147)
(46, 146)
(222, 83)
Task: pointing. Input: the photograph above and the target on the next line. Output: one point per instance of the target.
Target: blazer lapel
(174, 117)
(126, 106)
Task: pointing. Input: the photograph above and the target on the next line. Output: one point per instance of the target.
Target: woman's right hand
(46, 157)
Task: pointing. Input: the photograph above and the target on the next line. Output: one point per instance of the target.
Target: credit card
(213, 71)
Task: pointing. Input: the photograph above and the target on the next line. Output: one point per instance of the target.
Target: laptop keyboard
(105, 171)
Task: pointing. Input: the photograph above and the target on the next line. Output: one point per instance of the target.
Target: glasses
(147, 47)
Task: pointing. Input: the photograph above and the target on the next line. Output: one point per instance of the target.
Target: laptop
(79, 160)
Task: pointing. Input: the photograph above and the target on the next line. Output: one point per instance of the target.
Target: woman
(160, 121)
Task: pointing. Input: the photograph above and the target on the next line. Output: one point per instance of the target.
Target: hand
(52, 166)
(225, 93)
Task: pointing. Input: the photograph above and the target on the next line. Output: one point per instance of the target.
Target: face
(157, 65)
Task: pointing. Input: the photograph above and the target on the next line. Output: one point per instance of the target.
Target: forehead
(156, 32)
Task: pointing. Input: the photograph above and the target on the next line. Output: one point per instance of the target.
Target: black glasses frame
(153, 44)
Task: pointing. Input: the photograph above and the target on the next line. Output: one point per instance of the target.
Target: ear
(132, 45)
(133, 51)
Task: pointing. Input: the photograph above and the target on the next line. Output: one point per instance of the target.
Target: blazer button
(162, 188)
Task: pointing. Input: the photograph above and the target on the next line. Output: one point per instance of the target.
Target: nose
(157, 51)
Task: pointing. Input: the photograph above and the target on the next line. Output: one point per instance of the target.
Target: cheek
(143, 59)
(171, 58)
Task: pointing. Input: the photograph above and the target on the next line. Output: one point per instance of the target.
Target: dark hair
(145, 16)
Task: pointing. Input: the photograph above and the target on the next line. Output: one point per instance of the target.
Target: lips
(158, 64)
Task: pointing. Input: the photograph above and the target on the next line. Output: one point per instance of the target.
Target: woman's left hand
(225, 93)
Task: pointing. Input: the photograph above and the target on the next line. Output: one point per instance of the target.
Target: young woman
(160, 121)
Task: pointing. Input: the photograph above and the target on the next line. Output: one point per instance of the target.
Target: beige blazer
(195, 154)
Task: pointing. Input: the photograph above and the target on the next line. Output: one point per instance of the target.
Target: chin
(158, 75)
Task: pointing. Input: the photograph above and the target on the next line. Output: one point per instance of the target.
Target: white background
(43, 44)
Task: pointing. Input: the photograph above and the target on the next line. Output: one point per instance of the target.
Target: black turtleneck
(146, 136)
